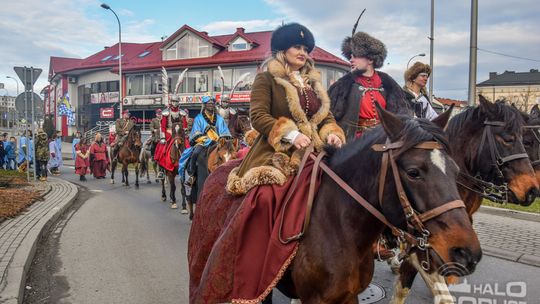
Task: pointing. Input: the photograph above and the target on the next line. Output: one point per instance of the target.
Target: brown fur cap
(417, 68)
(363, 45)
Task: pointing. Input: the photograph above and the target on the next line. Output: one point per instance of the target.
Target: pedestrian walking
(99, 158)
(42, 154)
(82, 162)
(53, 159)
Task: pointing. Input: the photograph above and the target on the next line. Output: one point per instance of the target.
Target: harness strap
(428, 215)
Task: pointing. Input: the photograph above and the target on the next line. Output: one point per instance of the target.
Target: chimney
(492, 75)
(106, 47)
(240, 30)
(204, 33)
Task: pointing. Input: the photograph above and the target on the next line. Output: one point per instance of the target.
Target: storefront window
(248, 81)
(227, 73)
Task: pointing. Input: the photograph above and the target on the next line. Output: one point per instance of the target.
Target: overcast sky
(33, 30)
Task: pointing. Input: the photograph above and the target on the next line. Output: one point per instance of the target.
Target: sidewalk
(20, 235)
(507, 235)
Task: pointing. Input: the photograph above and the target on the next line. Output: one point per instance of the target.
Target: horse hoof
(184, 211)
(157, 181)
(148, 182)
(112, 181)
(174, 206)
(136, 186)
(163, 198)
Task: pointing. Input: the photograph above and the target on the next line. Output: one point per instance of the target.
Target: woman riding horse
(290, 110)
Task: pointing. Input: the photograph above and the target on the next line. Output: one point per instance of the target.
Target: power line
(506, 55)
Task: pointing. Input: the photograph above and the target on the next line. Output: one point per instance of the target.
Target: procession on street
(302, 177)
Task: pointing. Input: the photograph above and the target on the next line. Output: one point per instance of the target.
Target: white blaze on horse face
(437, 158)
(227, 156)
(176, 129)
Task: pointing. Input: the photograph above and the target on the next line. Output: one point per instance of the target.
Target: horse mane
(359, 151)
(500, 111)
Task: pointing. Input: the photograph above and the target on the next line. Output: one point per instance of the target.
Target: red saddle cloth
(162, 156)
(237, 255)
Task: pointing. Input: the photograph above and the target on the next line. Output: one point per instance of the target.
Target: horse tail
(143, 161)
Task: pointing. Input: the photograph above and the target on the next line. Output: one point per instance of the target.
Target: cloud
(229, 26)
(404, 27)
(34, 30)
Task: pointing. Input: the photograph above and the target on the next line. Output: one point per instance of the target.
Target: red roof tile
(132, 62)
(449, 102)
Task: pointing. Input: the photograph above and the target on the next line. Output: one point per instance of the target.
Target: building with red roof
(92, 87)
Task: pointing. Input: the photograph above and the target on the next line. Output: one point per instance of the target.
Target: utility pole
(431, 39)
(473, 52)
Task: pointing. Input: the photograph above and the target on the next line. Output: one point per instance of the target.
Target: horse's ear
(221, 141)
(442, 120)
(391, 124)
(535, 111)
(236, 144)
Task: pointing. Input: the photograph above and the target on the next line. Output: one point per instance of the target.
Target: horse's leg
(113, 168)
(183, 193)
(163, 194)
(148, 181)
(125, 175)
(155, 165)
(137, 175)
(404, 281)
(171, 176)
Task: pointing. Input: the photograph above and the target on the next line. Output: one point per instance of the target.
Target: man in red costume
(172, 118)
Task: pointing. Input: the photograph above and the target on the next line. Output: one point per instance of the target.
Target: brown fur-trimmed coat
(275, 111)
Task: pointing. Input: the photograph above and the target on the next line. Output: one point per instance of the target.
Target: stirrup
(161, 175)
(190, 180)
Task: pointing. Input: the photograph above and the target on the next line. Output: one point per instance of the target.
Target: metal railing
(101, 127)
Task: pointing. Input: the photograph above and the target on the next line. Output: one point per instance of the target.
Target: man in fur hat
(354, 95)
(416, 78)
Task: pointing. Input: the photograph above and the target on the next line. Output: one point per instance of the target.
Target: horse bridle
(415, 220)
(490, 190)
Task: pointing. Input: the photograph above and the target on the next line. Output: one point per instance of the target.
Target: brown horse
(239, 123)
(486, 145)
(176, 149)
(222, 152)
(214, 156)
(129, 154)
(531, 138)
(334, 261)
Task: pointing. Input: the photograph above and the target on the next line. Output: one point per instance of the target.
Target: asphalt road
(123, 245)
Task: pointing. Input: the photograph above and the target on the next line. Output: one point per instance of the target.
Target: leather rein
(415, 220)
(492, 191)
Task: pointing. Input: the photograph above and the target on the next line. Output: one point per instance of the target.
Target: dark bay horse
(486, 144)
(531, 138)
(334, 260)
(146, 158)
(207, 161)
(129, 154)
(239, 123)
(176, 148)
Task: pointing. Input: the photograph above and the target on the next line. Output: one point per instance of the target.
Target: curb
(526, 259)
(519, 215)
(17, 270)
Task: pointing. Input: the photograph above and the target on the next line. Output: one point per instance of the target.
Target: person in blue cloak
(26, 150)
(207, 128)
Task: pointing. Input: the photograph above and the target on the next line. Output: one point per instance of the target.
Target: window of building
(135, 85)
(95, 87)
(239, 44)
(117, 57)
(106, 58)
(248, 81)
(194, 82)
(188, 46)
(227, 74)
(144, 54)
(112, 86)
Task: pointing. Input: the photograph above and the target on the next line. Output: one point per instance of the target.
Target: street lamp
(105, 6)
(15, 82)
(417, 55)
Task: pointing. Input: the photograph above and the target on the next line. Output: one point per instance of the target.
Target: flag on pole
(64, 109)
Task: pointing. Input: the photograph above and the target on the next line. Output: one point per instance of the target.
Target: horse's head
(531, 139)
(426, 180)
(490, 141)
(134, 137)
(226, 149)
(179, 137)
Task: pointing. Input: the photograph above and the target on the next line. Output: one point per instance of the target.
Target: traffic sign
(38, 104)
(26, 77)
